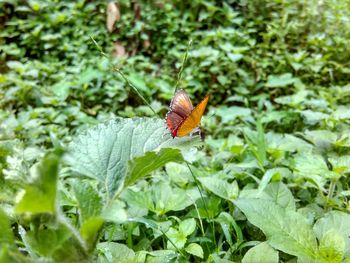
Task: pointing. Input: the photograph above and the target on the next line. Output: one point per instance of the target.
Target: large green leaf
(103, 152)
(285, 229)
(262, 253)
(40, 197)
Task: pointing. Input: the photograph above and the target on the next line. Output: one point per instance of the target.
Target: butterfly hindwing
(173, 120)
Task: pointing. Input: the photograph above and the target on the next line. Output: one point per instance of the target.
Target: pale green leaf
(187, 226)
(115, 212)
(285, 229)
(331, 247)
(280, 194)
(6, 235)
(176, 237)
(103, 152)
(90, 231)
(262, 253)
(40, 197)
(334, 220)
(312, 167)
(283, 80)
(114, 252)
(220, 187)
(89, 201)
(195, 250)
(140, 167)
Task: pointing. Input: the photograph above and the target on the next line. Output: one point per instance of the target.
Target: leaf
(6, 236)
(139, 167)
(283, 80)
(176, 238)
(103, 152)
(195, 249)
(40, 197)
(114, 252)
(285, 230)
(278, 171)
(312, 167)
(187, 226)
(113, 15)
(262, 253)
(115, 212)
(90, 231)
(48, 242)
(222, 188)
(334, 220)
(280, 194)
(178, 173)
(161, 198)
(226, 221)
(89, 201)
(230, 114)
(332, 247)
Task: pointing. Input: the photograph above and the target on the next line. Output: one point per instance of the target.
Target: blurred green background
(285, 63)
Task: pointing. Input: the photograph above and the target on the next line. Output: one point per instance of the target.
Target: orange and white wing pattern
(193, 120)
(181, 104)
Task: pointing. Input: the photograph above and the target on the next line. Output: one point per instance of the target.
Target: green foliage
(82, 153)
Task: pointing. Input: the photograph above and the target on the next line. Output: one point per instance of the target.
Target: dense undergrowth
(268, 184)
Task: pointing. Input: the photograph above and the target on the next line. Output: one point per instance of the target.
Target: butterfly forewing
(193, 120)
(181, 104)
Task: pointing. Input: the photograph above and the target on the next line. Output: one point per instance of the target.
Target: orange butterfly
(182, 117)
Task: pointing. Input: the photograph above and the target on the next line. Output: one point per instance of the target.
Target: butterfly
(183, 117)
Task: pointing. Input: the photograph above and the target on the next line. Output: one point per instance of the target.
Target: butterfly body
(183, 117)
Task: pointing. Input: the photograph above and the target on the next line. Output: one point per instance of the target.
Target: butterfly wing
(193, 120)
(173, 120)
(181, 104)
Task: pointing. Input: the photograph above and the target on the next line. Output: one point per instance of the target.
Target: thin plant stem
(127, 81)
(204, 204)
(179, 75)
(330, 193)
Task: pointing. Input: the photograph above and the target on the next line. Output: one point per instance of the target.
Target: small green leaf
(40, 197)
(222, 188)
(187, 226)
(90, 231)
(114, 252)
(139, 167)
(285, 230)
(283, 80)
(115, 212)
(5, 229)
(262, 253)
(176, 237)
(89, 201)
(195, 249)
(312, 167)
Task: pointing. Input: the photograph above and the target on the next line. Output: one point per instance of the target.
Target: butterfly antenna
(179, 75)
(127, 81)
